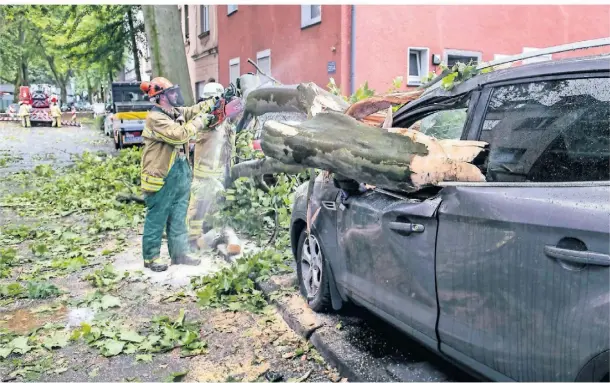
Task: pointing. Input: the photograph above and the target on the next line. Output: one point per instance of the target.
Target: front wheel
(313, 281)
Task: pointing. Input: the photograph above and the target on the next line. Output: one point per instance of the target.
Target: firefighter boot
(185, 260)
(155, 265)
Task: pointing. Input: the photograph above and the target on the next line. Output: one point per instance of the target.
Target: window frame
(264, 54)
(461, 52)
(474, 127)
(232, 8)
(234, 61)
(306, 19)
(204, 20)
(424, 63)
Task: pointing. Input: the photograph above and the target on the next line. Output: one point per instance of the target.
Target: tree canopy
(52, 43)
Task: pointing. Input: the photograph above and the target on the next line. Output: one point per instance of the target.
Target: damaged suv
(508, 278)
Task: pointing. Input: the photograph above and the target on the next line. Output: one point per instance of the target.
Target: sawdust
(23, 321)
(243, 346)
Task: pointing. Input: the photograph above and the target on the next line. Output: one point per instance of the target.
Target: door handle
(577, 256)
(406, 227)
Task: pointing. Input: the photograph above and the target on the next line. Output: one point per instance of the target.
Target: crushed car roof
(599, 63)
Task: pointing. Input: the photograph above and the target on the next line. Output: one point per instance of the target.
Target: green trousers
(166, 209)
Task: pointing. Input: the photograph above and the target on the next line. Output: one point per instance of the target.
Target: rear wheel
(313, 281)
(115, 139)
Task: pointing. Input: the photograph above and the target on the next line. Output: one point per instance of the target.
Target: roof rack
(547, 51)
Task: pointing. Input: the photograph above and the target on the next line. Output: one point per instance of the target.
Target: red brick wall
(297, 55)
(383, 33)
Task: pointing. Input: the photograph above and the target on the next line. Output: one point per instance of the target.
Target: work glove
(204, 120)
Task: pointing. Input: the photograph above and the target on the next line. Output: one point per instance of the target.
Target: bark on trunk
(266, 165)
(134, 46)
(338, 143)
(306, 98)
(164, 34)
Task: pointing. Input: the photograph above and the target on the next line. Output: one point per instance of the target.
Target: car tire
(316, 291)
(121, 145)
(116, 144)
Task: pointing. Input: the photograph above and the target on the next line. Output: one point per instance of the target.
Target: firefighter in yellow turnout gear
(212, 154)
(166, 173)
(24, 114)
(55, 115)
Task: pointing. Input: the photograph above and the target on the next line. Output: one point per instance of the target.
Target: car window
(444, 124)
(549, 131)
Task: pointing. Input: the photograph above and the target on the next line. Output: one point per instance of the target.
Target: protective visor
(174, 96)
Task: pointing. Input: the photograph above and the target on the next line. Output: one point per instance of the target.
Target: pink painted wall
(383, 33)
(297, 55)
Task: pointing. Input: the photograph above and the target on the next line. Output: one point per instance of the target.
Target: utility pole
(164, 34)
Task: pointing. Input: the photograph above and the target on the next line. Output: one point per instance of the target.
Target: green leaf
(109, 301)
(176, 376)
(131, 336)
(57, 340)
(5, 351)
(20, 345)
(112, 347)
(144, 358)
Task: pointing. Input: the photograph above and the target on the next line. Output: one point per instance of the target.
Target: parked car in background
(508, 278)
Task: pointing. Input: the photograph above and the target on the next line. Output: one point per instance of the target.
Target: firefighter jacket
(165, 137)
(55, 111)
(24, 110)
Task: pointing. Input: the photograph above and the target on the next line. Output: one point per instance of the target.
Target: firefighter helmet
(160, 85)
(212, 89)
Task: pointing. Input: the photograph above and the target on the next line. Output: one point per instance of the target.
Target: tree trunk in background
(134, 46)
(164, 35)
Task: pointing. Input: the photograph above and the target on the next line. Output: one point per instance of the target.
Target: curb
(321, 331)
(354, 344)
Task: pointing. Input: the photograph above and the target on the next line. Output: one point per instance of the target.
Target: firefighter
(213, 151)
(55, 114)
(24, 114)
(166, 174)
(205, 172)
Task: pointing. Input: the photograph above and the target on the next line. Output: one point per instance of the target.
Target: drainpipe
(352, 47)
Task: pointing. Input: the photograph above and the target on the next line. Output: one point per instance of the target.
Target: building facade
(359, 43)
(200, 44)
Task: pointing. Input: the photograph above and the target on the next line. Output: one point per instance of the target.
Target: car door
(388, 241)
(522, 260)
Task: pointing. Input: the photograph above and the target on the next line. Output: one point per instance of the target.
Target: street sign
(331, 67)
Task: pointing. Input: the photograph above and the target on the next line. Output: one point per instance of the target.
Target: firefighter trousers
(166, 209)
(56, 122)
(25, 122)
(204, 198)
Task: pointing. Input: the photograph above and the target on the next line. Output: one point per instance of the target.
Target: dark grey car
(508, 278)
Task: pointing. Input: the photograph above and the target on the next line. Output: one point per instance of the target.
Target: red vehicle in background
(40, 112)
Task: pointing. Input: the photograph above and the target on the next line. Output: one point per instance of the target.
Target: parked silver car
(508, 278)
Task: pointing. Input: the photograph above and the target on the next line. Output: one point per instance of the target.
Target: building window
(263, 60)
(186, 21)
(310, 15)
(418, 65)
(204, 10)
(234, 70)
(535, 59)
(231, 9)
(199, 89)
(453, 56)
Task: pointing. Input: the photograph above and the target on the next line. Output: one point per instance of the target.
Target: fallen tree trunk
(265, 165)
(338, 143)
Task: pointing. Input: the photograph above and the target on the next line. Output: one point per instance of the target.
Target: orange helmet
(156, 86)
